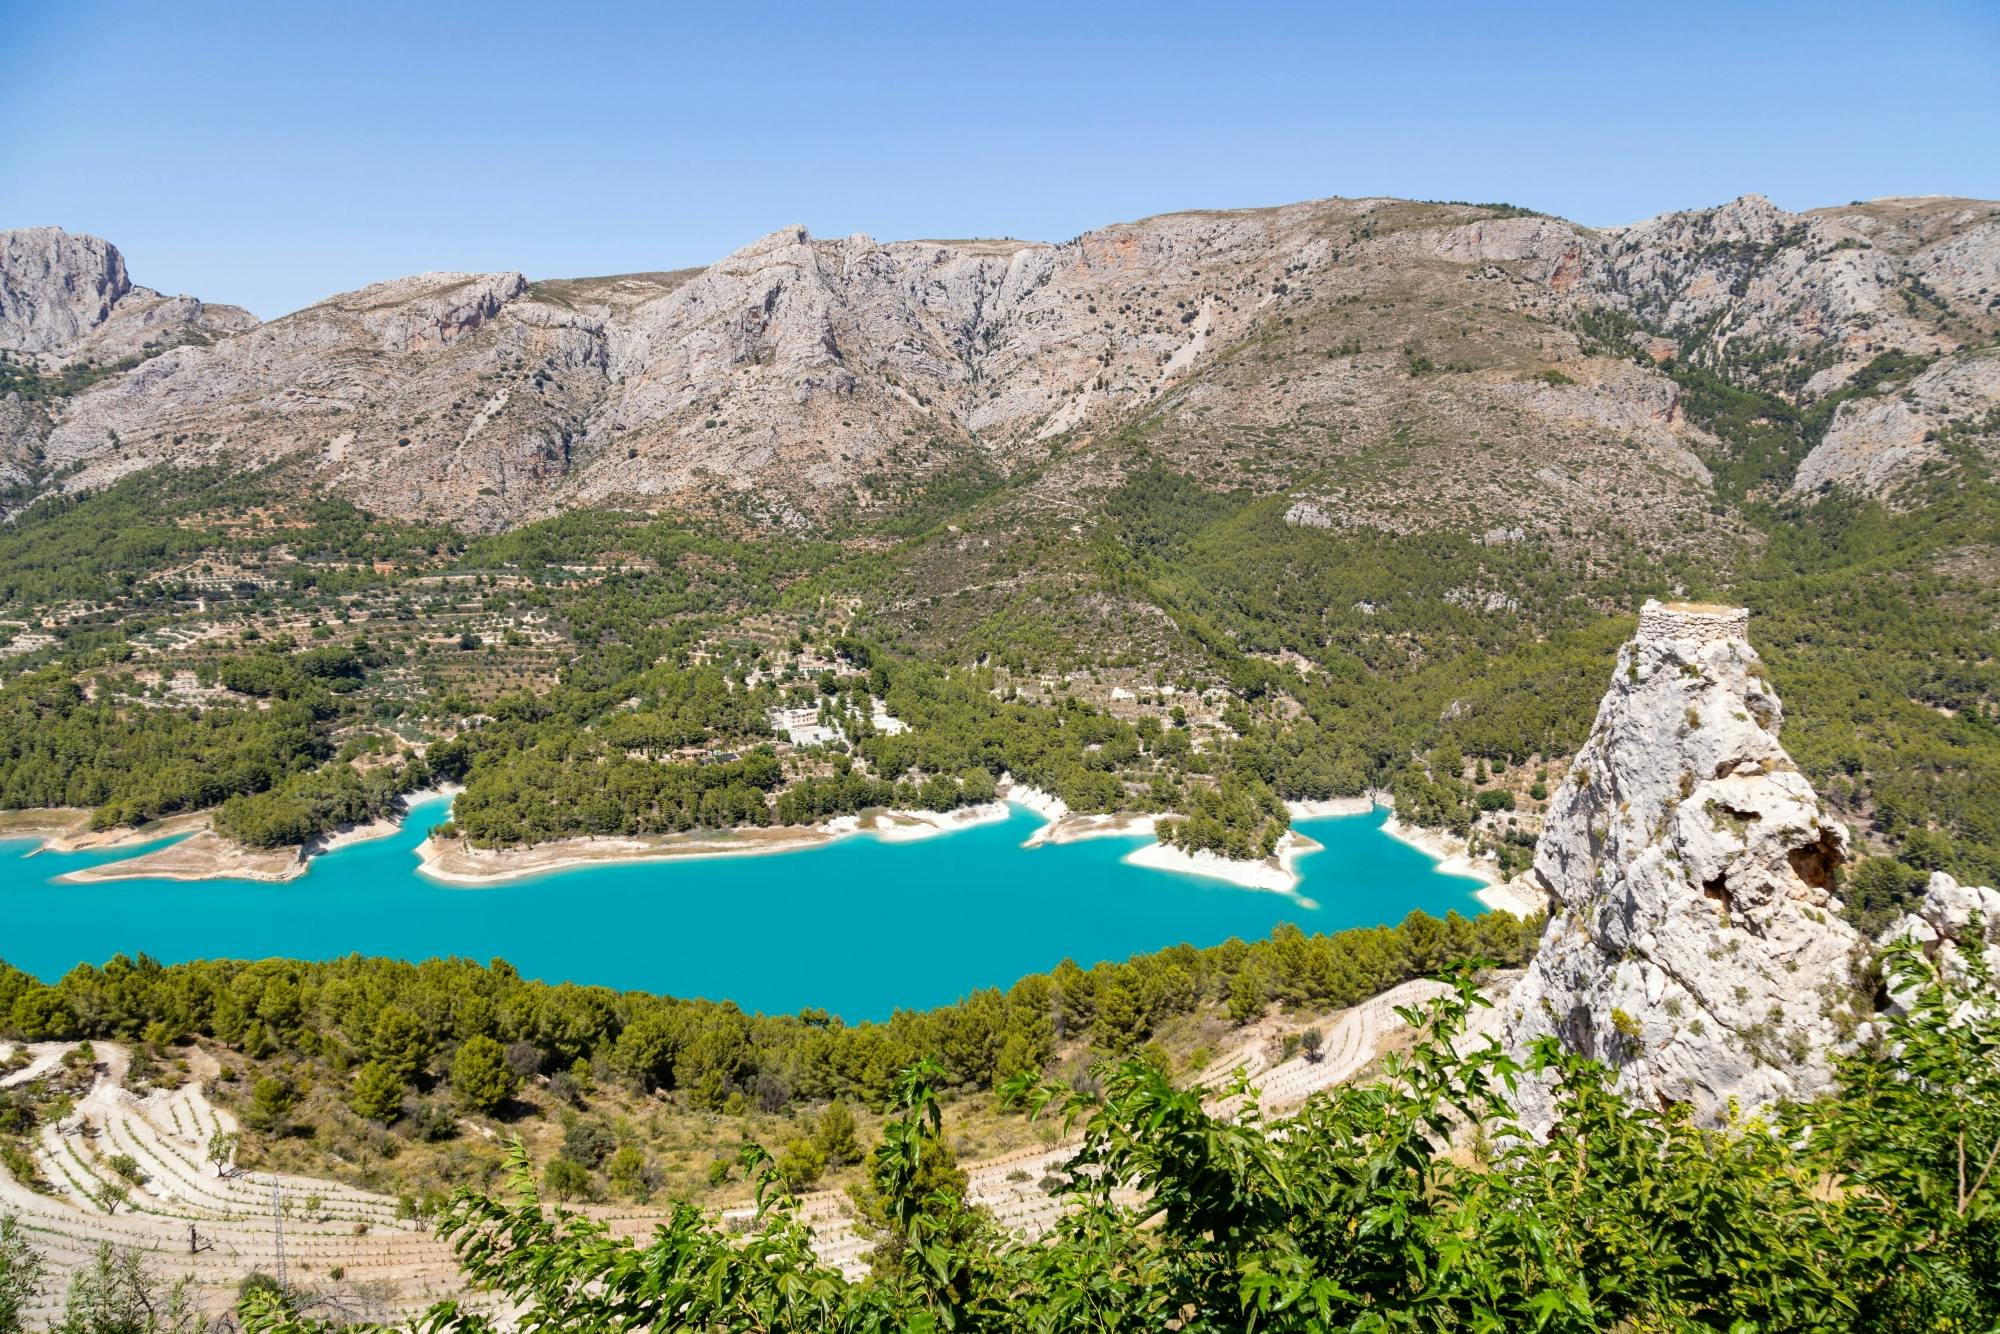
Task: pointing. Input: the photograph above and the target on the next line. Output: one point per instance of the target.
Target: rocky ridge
(1696, 944)
(64, 298)
(806, 380)
(1941, 925)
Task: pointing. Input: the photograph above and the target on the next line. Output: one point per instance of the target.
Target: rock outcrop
(1696, 945)
(63, 297)
(1873, 444)
(1941, 925)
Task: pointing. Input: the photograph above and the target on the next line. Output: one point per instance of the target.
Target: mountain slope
(1402, 364)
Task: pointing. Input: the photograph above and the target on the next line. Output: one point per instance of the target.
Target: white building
(802, 727)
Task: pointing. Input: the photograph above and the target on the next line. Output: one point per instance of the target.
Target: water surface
(859, 926)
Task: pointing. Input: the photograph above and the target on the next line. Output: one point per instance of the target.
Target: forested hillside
(1351, 496)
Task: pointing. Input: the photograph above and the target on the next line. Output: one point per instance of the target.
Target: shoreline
(1077, 828)
(1276, 874)
(1332, 808)
(454, 862)
(1514, 896)
(204, 854)
(1062, 825)
(74, 834)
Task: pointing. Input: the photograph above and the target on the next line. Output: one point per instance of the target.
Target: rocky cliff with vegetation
(1696, 945)
(803, 380)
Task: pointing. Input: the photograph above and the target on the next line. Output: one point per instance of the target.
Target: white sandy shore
(1061, 825)
(66, 829)
(1278, 873)
(1045, 804)
(1519, 896)
(1075, 828)
(910, 826)
(1330, 807)
(456, 862)
(207, 855)
(1522, 896)
(202, 855)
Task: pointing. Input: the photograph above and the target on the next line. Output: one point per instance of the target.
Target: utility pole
(278, 1227)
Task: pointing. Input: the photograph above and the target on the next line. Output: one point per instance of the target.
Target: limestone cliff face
(55, 288)
(1875, 443)
(1696, 946)
(1941, 925)
(808, 379)
(63, 297)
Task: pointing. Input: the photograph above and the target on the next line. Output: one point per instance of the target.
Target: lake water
(859, 926)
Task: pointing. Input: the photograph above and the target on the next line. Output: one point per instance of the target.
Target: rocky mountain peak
(63, 297)
(782, 239)
(55, 288)
(1696, 944)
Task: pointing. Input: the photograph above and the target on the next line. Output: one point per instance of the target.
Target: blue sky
(271, 154)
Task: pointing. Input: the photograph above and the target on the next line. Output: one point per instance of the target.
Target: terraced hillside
(141, 1171)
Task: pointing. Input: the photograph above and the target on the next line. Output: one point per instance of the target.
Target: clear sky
(270, 154)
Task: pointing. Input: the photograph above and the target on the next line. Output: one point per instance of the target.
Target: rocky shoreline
(206, 855)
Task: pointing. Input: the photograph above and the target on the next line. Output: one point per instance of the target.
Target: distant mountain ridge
(1390, 363)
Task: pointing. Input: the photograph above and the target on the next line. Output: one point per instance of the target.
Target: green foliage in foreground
(1408, 1204)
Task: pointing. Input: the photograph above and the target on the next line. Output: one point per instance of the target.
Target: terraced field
(212, 1226)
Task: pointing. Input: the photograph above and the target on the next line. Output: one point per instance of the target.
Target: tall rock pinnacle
(1696, 945)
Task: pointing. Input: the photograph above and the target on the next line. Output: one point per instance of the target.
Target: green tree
(630, 1174)
(1120, 1024)
(399, 1042)
(221, 1151)
(271, 1102)
(480, 1075)
(566, 1179)
(802, 1162)
(378, 1092)
(836, 1135)
(21, 1271)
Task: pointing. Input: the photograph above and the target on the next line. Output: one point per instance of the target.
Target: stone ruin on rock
(1696, 945)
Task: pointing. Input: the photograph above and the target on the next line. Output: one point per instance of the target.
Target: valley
(1183, 535)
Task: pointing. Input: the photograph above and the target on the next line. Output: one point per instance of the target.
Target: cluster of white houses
(804, 727)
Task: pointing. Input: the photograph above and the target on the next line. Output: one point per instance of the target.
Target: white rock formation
(1696, 947)
(64, 297)
(1877, 442)
(1942, 924)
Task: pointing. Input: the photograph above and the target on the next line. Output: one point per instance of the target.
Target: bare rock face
(1696, 946)
(55, 288)
(64, 296)
(23, 429)
(1876, 443)
(412, 397)
(808, 380)
(1942, 925)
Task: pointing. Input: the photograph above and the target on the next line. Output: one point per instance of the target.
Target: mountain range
(1385, 363)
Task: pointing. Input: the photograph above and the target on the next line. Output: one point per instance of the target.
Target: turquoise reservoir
(859, 926)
